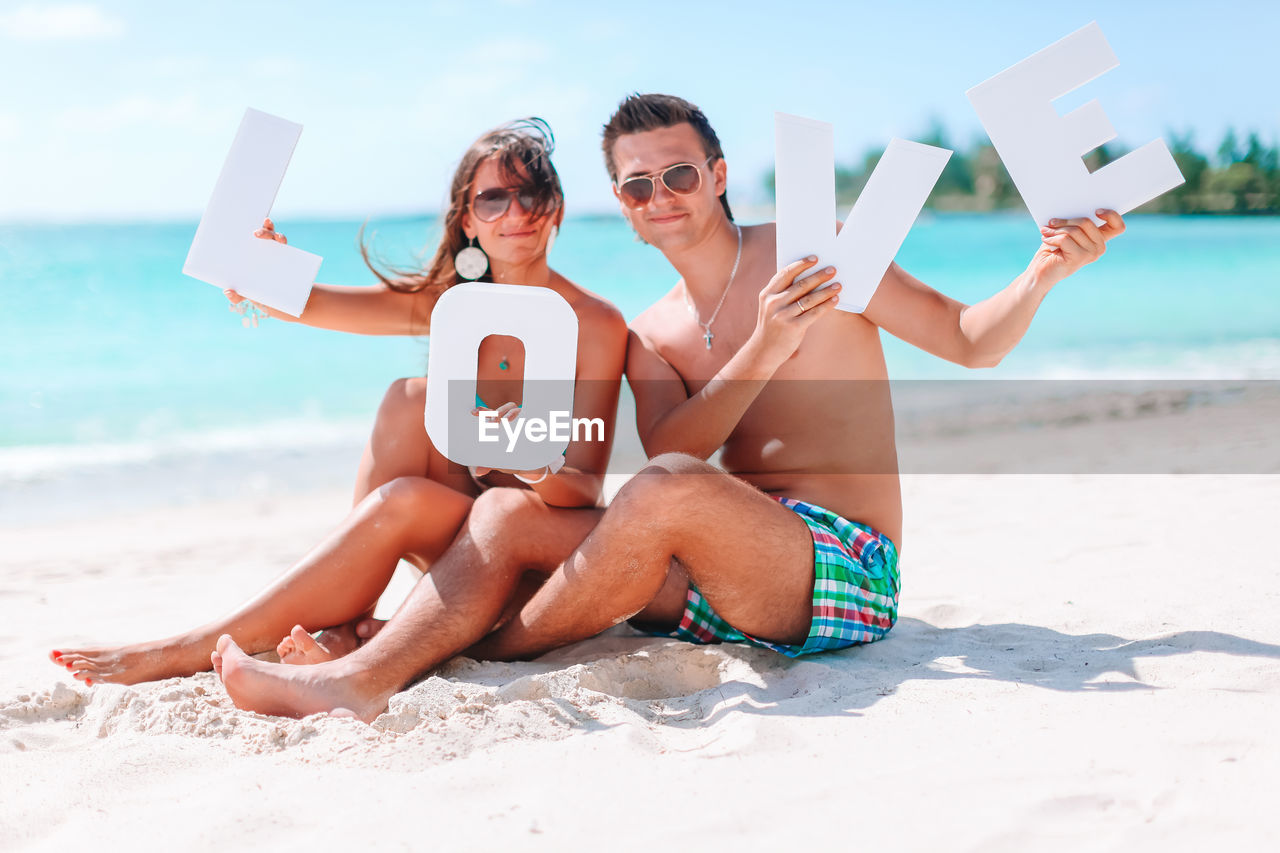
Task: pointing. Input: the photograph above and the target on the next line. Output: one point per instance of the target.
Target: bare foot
(292, 691)
(132, 664)
(301, 648)
(298, 648)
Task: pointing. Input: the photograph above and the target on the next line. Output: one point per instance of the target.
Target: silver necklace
(706, 327)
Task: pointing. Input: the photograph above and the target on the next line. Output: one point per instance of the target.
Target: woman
(506, 200)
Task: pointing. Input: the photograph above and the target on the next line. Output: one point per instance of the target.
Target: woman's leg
(335, 583)
(398, 447)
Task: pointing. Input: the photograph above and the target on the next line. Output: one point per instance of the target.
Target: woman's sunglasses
(681, 179)
(493, 204)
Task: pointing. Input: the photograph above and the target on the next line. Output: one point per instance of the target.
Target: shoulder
(759, 256)
(597, 316)
(602, 330)
(760, 242)
(657, 318)
(600, 318)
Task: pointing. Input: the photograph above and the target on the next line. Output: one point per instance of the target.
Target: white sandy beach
(1082, 662)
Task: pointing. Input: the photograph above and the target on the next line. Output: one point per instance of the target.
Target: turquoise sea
(110, 355)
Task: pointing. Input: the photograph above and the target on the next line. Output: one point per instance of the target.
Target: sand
(1082, 662)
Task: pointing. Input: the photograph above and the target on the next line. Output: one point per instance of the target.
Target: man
(793, 546)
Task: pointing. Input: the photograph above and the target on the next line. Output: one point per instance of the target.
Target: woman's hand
(789, 305)
(253, 311)
(266, 232)
(506, 412)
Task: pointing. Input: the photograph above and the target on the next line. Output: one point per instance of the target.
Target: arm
(669, 420)
(375, 310)
(602, 354)
(981, 335)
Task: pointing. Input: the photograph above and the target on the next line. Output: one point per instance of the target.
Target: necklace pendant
(707, 336)
(502, 365)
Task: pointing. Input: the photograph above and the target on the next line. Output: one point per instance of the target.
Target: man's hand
(1069, 244)
(789, 305)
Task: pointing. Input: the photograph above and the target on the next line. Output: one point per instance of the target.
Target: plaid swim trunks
(855, 590)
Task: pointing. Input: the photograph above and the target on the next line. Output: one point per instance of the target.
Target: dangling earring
(551, 239)
(471, 262)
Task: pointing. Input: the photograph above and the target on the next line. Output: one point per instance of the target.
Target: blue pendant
(502, 365)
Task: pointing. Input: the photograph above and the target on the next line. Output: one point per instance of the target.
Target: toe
(290, 650)
(229, 650)
(304, 645)
(309, 650)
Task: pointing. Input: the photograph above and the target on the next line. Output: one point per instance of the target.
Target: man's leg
(336, 582)
(457, 603)
(751, 558)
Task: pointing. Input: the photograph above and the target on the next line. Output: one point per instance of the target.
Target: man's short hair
(638, 113)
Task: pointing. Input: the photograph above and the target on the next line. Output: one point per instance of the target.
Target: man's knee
(499, 514)
(679, 464)
(500, 506)
(669, 485)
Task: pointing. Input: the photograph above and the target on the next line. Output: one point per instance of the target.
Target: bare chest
(841, 346)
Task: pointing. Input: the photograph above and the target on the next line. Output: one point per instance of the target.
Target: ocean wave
(1258, 358)
(1057, 371)
(32, 463)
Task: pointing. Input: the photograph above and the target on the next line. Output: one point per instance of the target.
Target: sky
(125, 110)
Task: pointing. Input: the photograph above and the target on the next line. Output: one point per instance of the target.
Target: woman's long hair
(523, 150)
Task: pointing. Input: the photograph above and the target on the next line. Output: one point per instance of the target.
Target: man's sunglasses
(681, 179)
(492, 204)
